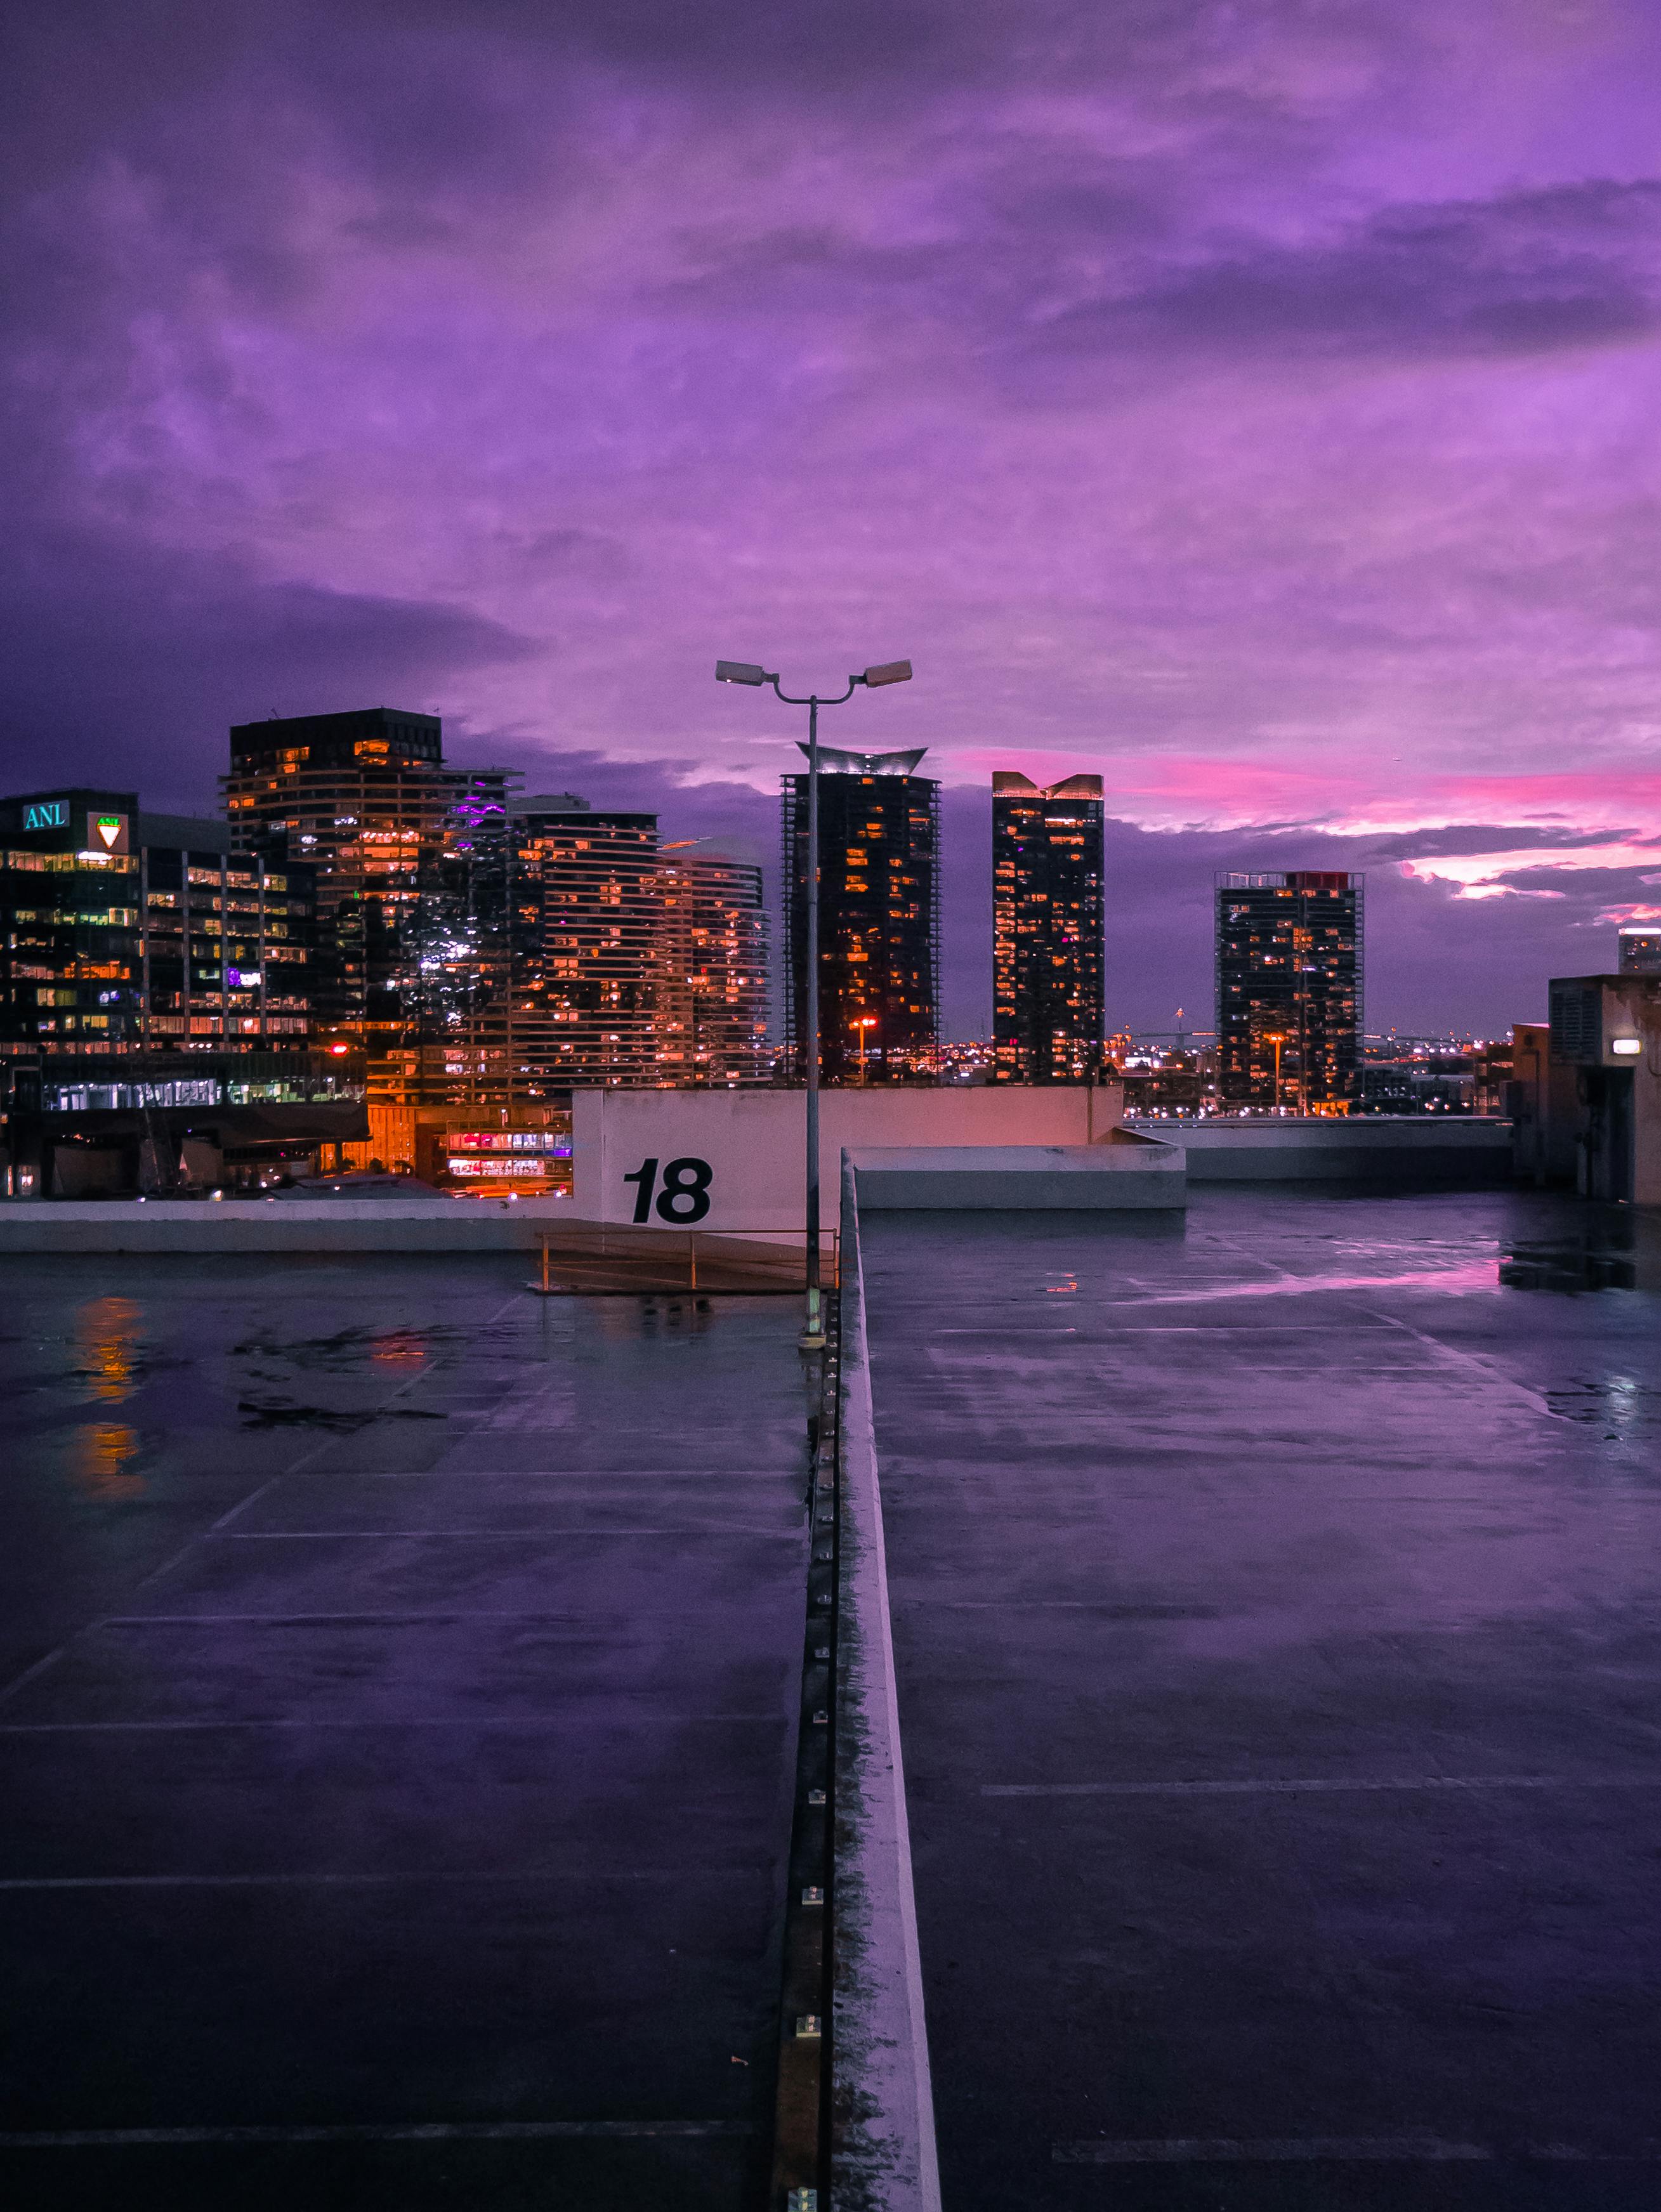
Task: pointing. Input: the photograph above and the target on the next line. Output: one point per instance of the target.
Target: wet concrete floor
(397, 1739)
(1277, 1609)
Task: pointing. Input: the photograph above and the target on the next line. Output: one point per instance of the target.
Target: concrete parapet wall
(160, 1226)
(736, 1159)
(1369, 1147)
(1134, 1172)
(883, 2153)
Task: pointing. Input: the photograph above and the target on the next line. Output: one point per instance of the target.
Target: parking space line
(460, 2131)
(1303, 1786)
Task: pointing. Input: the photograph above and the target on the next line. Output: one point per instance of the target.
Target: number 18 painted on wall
(685, 1197)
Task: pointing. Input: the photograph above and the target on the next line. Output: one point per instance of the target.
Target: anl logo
(109, 828)
(46, 814)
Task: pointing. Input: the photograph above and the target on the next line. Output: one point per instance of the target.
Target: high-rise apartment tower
(878, 916)
(1289, 990)
(1047, 1004)
(712, 982)
(589, 941)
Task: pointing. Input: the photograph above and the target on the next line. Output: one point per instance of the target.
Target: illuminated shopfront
(524, 1159)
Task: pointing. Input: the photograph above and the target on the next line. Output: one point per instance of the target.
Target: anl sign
(46, 814)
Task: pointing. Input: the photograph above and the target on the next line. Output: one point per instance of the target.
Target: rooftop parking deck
(1276, 1602)
(402, 1678)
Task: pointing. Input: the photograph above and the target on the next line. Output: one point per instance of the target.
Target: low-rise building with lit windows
(123, 931)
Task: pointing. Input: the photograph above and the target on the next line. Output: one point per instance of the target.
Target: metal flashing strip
(883, 2150)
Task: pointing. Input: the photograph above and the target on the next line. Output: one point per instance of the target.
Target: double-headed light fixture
(751, 672)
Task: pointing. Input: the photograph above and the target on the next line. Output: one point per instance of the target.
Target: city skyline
(1252, 410)
(1155, 883)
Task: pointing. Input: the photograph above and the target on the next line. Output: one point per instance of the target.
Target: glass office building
(123, 931)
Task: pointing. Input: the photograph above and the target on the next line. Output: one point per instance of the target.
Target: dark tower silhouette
(878, 916)
(1047, 1003)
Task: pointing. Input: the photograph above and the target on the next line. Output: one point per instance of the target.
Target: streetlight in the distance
(1277, 1038)
(752, 673)
(863, 1024)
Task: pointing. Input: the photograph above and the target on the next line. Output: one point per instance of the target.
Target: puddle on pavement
(349, 1348)
(282, 1413)
(99, 1462)
(1609, 1264)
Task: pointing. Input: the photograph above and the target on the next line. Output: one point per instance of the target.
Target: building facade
(711, 1008)
(588, 927)
(364, 799)
(1597, 1098)
(124, 932)
(1641, 951)
(878, 917)
(1289, 990)
(1047, 1011)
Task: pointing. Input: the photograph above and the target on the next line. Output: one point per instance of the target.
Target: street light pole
(745, 671)
(1277, 1041)
(812, 1335)
(864, 1024)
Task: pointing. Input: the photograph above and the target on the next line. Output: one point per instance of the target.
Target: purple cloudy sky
(1257, 403)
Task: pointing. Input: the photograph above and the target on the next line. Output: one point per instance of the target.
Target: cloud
(135, 668)
(1520, 274)
(1462, 839)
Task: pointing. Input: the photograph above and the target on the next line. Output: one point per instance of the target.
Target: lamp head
(891, 672)
(741, 671)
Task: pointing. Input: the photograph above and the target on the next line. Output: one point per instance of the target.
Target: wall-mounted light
(1626, 1048)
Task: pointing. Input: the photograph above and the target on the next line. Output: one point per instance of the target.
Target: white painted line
(717, 1531)
(886, 2149)
(1314, 1785)
(654, 1717)
(1383, 2151)
(335, 1881)
(570, 1619)
(463, 2131)
(1204, 2150)
(564, 1476)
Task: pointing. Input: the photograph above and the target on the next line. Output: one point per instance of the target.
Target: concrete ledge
(338, 1225)
(1136, 1171)
(883, 2107)
(1413, 1149)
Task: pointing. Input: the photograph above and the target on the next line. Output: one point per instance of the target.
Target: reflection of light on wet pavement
(106, 1336)
(1473, 1275)
(403, 1348)
(99, 1453)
